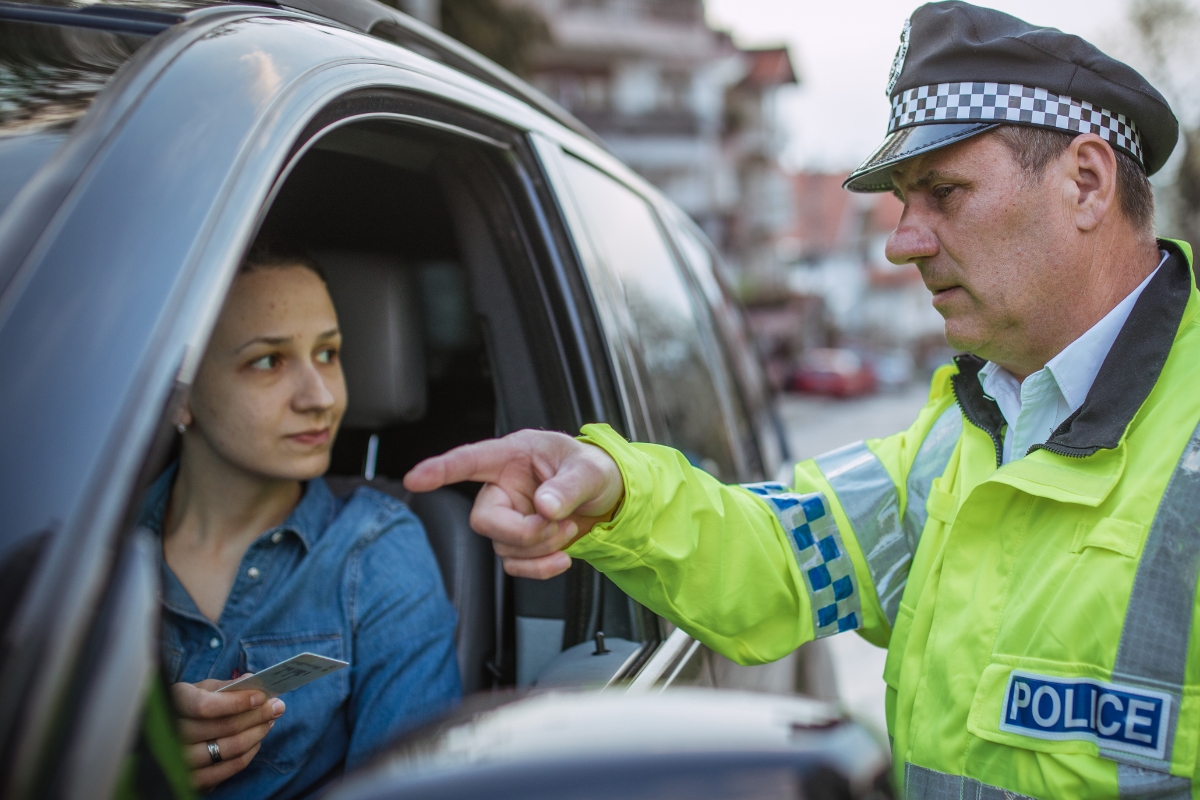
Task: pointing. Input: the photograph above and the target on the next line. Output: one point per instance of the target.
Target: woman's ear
(183, 420)
(1091, 167)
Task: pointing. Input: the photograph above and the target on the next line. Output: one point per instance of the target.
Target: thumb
(587, 479)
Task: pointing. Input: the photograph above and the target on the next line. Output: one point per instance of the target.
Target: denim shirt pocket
(312, 708)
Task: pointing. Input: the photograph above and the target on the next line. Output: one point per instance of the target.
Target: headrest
(383, 352)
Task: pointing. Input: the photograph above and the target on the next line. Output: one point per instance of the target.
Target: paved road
(817, 425)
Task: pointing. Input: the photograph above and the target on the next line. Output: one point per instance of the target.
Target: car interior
(414, 230)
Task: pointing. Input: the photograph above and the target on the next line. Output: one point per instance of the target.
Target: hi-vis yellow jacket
(1038, 615)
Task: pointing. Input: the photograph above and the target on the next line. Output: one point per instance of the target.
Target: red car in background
(833, 371)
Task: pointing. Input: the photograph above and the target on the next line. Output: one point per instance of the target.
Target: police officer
(1028, 549)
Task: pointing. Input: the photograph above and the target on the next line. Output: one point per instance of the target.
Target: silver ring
(214, 752)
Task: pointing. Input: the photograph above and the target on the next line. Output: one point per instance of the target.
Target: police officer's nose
(910, 241)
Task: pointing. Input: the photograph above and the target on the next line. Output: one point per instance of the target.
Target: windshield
(49, 77)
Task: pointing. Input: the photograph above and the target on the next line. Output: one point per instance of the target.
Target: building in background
(675, 99)
(684, 107)
(696, 115)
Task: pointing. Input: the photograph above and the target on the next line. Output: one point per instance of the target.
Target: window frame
(621, 333)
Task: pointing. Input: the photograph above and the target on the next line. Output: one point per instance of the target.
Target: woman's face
(269, 394)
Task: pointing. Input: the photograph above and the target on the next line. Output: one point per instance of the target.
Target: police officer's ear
(1088, 171)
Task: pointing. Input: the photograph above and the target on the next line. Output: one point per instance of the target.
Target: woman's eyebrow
(271, 340)
(276, 341)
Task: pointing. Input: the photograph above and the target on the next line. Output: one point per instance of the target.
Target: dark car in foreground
(682, 743)
(494, 268)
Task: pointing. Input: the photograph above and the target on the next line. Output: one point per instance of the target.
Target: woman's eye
(265, 363)
(327, 356)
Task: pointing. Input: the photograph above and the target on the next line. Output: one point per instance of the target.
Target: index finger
(481, 462)
(197, 703)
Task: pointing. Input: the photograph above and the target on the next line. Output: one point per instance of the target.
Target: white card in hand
(287, 675)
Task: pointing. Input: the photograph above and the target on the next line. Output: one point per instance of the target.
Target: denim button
(214, 643)
(276, 537)
(253, 573)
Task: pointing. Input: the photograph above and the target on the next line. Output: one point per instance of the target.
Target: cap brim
(875, 174)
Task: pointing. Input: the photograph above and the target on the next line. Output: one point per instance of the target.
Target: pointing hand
(542, 491)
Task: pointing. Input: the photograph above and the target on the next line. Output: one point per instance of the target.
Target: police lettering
(1114, 716)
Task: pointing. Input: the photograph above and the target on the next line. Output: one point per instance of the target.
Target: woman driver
(262, 563)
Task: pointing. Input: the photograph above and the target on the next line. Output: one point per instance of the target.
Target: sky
(843, 50)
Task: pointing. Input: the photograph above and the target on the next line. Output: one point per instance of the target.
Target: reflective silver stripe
(871, 501)
(928, 466)
(1158, 622)
(1149, 783)
(819, 550)
(929, 784)
(868, 496)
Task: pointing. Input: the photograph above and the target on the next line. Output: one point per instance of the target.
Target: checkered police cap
(962, 70)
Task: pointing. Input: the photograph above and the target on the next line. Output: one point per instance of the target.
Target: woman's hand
(235, 721)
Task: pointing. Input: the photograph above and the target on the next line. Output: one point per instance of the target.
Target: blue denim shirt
(353, 579)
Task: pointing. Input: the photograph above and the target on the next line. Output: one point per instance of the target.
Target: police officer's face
(994, 247)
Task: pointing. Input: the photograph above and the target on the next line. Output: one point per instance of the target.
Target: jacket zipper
(996, 442)
(1057, 451)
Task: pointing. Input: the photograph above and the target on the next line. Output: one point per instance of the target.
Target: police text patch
(1114, 716)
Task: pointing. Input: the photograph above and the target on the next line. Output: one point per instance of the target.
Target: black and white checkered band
(1011, 102)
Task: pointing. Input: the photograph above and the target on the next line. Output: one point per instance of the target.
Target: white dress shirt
(1035, 407)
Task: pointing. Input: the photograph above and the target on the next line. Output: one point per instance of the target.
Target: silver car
(495, 268)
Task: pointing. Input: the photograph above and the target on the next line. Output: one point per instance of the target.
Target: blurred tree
(1165, 33)
(504, 33)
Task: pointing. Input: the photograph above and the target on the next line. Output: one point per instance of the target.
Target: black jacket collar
(1124, 381)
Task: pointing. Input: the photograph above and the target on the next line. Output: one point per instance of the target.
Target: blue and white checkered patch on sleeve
(824, 562)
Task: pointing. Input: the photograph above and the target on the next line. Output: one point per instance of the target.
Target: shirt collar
(1125, 379)
(308, 519)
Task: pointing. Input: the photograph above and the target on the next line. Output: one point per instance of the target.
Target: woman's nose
(313, 394)
(910, 241)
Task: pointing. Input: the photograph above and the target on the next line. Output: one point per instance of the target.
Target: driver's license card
(287, 675)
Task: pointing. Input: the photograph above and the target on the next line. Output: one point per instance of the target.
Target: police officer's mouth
(943, 291)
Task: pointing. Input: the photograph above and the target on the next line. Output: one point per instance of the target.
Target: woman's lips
(311, 438)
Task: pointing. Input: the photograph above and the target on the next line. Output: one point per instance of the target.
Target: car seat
(383, 357)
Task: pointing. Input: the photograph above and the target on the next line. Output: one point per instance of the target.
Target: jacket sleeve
(754, 572)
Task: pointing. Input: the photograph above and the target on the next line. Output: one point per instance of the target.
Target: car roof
(149, 17)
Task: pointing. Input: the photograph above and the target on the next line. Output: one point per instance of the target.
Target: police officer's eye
(265, 363)
(327, 355)
(943, 191)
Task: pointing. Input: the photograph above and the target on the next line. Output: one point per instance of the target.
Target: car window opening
(408, 226)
